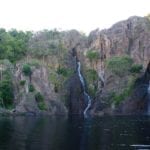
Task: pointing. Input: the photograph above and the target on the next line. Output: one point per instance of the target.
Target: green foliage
(119, 65)
(118, 98)
(13, 44)
(91, 77)
(31, 88)
(6, 85)
(22, 82)
(26, 69)
(39, 97)
(62, 71)
(46, 43)
(66, 72)
(93, 55)
(92, 89)
(54, 78)
(40, 101)
(58, 77)
(136, 68)
(42, 106)
(6, 92)
(34, 62)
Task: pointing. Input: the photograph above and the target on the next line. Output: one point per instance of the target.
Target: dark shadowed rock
(138, 102)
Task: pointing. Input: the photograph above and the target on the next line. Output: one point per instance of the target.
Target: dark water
(59, 133)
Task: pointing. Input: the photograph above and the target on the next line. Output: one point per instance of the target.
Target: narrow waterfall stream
(86, 96)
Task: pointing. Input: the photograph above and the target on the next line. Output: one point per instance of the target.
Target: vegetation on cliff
(43, 62)
(119, 65)
(6, 85)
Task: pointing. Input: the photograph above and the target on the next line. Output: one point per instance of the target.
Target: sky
(83, 15)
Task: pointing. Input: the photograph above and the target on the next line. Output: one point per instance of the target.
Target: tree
(13, 44)
(119, 65)
(27, 70)
(93, 56)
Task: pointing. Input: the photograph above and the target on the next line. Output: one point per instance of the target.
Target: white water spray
(87, 97)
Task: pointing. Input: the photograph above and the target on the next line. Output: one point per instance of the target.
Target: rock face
(126, 37)
(57, 80)
(25, 99)
(130, 37)
(139, 101)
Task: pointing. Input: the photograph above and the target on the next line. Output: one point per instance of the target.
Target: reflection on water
(59, 133)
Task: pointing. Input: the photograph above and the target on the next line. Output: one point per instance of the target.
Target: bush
(62, 71)
(92, 90)
(42, 106)
(54, 79)
(34, 62)
(26, 70)
(136, 68)
(118, 98)
(119, 65)
(22, 82)
(31, 88)
(6, 92)
(39, 97)
(93, 55)
(91, 75)
(40, 101)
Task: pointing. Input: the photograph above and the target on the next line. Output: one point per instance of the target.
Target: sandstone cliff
(126, 38)
(114, 63)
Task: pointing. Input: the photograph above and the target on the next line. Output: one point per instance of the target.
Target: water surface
(60, 133)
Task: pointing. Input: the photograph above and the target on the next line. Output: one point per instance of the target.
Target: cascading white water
(87, 97)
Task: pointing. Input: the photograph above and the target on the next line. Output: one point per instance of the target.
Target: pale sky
(83, 15)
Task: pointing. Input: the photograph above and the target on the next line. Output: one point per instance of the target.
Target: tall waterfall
(86, 96)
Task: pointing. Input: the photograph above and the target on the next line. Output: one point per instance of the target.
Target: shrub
(136, 68)
(6, 92)
(62, 71)
(118, 98)
(40, 101)
(92, 55)
(92, 90)
(26, 70)
(1, 100)
(34, 62)
(39, 97)
(22, 82)
(119, 65)
(53, 77)
(31, 88)
(91, 75)
(42, 106)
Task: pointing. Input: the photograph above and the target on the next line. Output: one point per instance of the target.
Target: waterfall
(87, 97)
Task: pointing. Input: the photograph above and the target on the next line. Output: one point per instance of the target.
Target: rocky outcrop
(25, 99)
(138, 102)
(57, 80)
(130, 37)
(126, 37)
